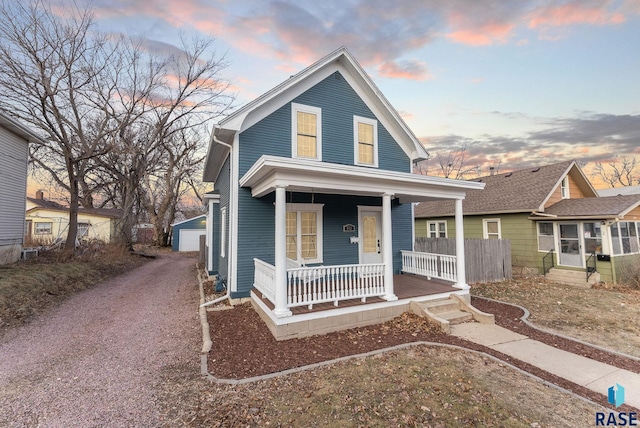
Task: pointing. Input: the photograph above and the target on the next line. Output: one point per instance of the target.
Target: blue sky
(522, 82)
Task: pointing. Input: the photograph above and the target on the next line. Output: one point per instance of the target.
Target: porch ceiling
(301, 175)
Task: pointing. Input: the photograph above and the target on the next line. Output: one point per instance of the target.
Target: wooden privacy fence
(486, 260)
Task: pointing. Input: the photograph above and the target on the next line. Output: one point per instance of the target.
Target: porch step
(572, 277)
(446, 312)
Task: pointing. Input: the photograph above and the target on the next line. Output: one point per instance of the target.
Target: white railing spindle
(431, 265)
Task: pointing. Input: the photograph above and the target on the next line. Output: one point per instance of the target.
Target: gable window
(306, 138)
(365, 133)
(437, 229)
(564, 188)
(304, 232)
(43, 228)
(491, 228)
(545, 236)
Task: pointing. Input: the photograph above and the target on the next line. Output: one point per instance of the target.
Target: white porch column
(460, 262)
(280, 304)
(387, 251)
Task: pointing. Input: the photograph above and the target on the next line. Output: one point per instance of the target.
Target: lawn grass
(28, 287)
(608, 318)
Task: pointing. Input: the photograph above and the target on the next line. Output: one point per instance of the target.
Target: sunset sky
(521, 82)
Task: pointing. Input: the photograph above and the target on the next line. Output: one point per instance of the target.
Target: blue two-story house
(311, 216)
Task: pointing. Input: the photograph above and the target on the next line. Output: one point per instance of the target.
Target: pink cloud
(482, 35)
(572, 14)
(411, 70)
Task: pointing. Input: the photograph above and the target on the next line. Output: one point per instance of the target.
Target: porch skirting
(342, 318)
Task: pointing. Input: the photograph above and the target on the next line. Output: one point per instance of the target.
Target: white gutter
(228, 294)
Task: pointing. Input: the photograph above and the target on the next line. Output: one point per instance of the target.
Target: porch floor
(406, 286)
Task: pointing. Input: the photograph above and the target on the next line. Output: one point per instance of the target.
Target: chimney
(40, 195)
(492, 170)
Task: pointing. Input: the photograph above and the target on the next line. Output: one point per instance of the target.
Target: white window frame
(223, 232)
(49, 230)
(295, 108)
(356, 143)
(564, 187)
(485, 232)
(438, 229)
(318, 209)
(553, 234)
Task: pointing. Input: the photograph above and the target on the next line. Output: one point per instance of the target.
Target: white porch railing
(307, 286)
(312, 285)
(264, 279)
(431, 265)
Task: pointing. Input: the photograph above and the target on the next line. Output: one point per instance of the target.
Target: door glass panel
(569, 243)
(370, 243)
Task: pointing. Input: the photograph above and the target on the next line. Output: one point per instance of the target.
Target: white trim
(361, 209)
(295, 108)
(553, 235)
(223, 232)
(232, 267)
(300, 175)
(318, 209)
(356, 142)
(189, 219)
(485, 232)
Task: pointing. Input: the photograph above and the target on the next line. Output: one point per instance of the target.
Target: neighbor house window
(592, 237)
(437, 229)
(491, 228)
(306, 132)
(43, 228)
(304, 232)
(545, 236)
(624, 237)
(365, 132)
(83, 230)
(223, 231)
(564, 188)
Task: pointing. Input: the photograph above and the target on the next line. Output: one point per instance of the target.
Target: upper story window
(491, 228)
(306, 138)
(365, 134)
(564, 188)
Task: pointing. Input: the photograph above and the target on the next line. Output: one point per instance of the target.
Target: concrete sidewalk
(581, 370)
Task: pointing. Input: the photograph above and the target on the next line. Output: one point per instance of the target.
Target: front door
(370, 237)
(570, 248)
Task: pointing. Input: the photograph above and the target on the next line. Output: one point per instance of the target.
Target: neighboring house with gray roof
(625, 190)
(14, 145)
(550, 212)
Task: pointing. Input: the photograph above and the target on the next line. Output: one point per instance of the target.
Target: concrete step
(441, 306)
(456, 317)
(572, 277)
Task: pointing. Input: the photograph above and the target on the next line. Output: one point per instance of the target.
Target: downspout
(228, 294)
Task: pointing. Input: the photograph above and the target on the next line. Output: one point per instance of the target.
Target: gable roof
(625, 190)
(54, 206)
(525, 190)
(601, 207)
(340, 60)
(202, 216)
(44, 203)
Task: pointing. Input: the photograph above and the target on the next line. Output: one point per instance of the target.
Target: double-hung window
(437, 229)
(306, 132)
(304, 232)
(564, 188)
(365, 133)
(43, 228)
(545, 236)
(491, 228)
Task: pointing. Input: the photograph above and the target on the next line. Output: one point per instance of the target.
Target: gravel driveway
(101, 358)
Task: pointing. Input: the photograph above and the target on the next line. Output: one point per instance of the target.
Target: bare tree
(47, 65)
(622, 172)
(451, 164)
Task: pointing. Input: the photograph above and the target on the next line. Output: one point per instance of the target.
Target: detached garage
(187, 233)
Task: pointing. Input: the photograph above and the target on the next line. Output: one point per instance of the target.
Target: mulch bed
(251, 350)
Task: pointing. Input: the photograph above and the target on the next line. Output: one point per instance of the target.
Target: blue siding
(215, 230)
(256, 239)
(339, 103)
(222, 185)
(195, 223)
